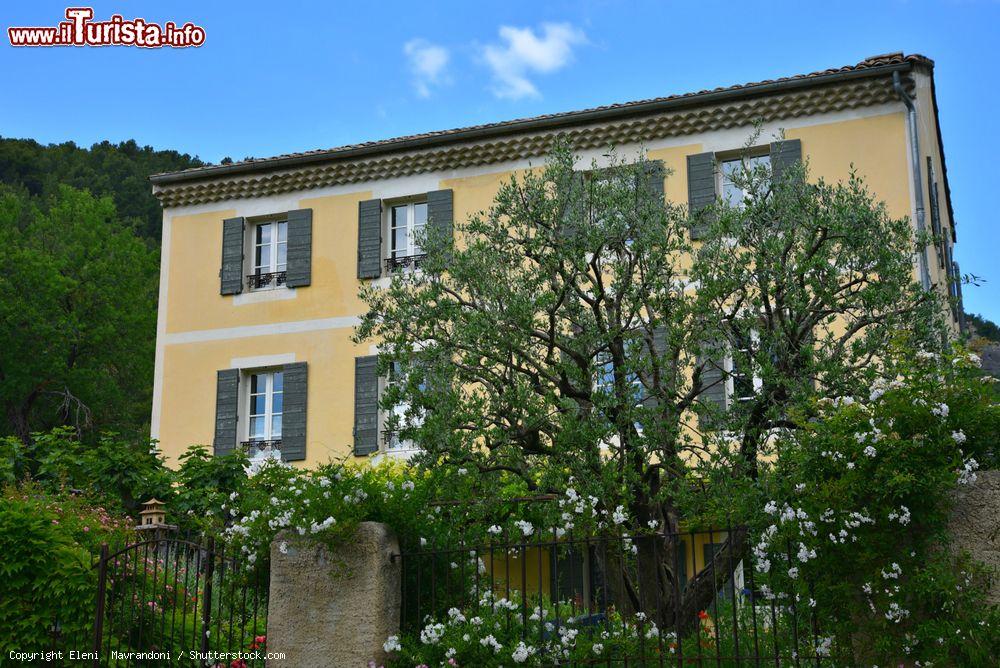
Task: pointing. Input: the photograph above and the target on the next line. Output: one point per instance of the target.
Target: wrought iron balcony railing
(263, 280)
(403, 262)
(261, 444)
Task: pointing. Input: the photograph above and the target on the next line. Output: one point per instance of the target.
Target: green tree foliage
(119, 171)
(77, 315)
(46, 575)
(571, 334)
(984, 327)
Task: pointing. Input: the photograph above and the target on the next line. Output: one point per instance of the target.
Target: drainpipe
(918, 184)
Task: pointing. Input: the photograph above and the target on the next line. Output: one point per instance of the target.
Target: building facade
(262, 260)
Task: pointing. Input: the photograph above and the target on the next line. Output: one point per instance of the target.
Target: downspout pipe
(918, 183)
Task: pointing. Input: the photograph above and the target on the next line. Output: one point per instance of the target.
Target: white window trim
(244, 413)
(411, 247)
(250, 252)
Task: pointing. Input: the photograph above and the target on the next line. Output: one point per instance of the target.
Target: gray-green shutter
(713, 379)
(659, 350)
(682, 564)
(365, 405)
(227, 401)
(299, 257)
(293, 417)
(655, 173)
(784, 154)
(231, 273)
(573, 215)
(441, 212)
(370, 238)
(701, 191)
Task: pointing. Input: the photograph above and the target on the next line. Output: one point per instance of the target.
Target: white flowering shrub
(856, 504)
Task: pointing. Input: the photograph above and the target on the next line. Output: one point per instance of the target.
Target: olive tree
(574, 334)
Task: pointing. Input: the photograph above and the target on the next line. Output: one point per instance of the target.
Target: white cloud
(524, 53)
(428, 63)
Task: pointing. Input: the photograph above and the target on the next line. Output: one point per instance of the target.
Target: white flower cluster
(522, 652)
(490, 641)
(903, 516)
(431, 634)
(316, 527)
(967, 474)
(619, 516)
(392, 644)
(941, 410)
(525, 526)
(958, 436)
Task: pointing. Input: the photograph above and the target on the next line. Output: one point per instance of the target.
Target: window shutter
(370, 238)
(231, 273)
(365, 405)
(681, 573)
(713, 379)
(299, 257)
(293, 418)
(441, 212)
(655, 173)
(227, 399)
(659, 349)
(784, 154)
(701, 191)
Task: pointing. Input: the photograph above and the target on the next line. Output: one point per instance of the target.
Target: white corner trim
(294, 327)
(261, 361)
(258, 296)
(161, 329)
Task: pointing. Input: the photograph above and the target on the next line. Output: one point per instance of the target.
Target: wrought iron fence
(166, 599)
(626, 594)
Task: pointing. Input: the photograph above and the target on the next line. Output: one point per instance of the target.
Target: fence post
(206, 611)
(102, 583)
(333, 606)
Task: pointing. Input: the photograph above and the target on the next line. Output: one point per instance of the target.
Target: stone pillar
(975, 524)
(333, 607)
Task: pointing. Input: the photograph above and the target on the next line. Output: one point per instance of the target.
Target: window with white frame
(743, 383)
(730, 172)
(270, 252)
(400, 415)
(406, 226)
(265, 409)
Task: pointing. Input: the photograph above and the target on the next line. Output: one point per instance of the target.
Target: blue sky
(275, 77)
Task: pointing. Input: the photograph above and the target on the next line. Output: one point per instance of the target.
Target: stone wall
(333, 607)
(975, 524)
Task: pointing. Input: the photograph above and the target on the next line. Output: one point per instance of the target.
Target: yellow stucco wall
(875, 146)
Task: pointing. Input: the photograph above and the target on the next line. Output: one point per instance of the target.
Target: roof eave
(529, 125)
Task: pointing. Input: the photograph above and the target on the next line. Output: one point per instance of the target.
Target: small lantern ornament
(152, 515)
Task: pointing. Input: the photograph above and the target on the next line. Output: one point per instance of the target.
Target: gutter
(554, 121)
(918, 184)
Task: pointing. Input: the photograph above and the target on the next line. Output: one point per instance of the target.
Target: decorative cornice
(689, 120)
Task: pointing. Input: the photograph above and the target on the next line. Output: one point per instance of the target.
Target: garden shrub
(47, 543)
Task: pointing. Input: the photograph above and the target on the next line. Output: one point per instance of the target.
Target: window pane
(264, 233)
(277, 401)
(263, 260)
(282, 232)
(257, 405)
(278, 383)
(399, 241)
(257, 428)
(282, 257)
(420, 213)
(276, 427)
(256, 383)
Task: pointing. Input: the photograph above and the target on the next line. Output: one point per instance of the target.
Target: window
(732, 192)
(406, 226)
(744, 383)
(401, 415)
(270, 253)
(265, 409)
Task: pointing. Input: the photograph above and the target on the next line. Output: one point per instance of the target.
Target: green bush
(46, 575)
